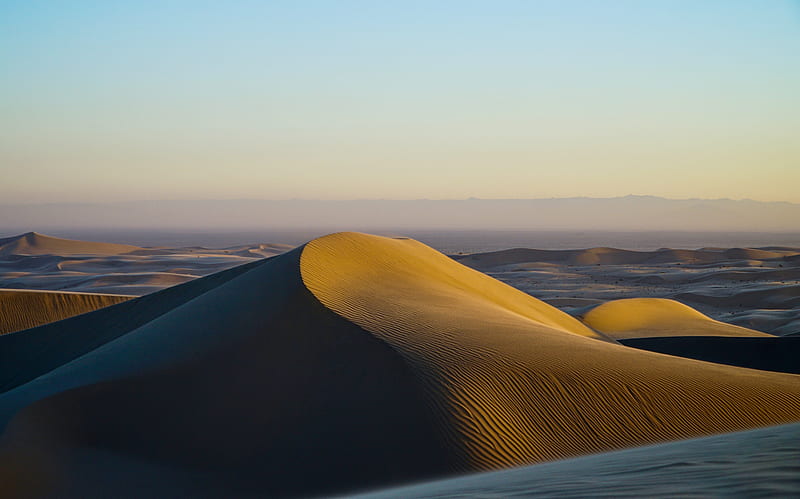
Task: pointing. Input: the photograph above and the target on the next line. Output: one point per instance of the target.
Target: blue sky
(334, 100)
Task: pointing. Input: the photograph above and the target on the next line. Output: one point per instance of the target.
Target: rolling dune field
(357, 362)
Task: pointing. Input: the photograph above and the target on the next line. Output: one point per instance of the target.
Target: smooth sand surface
(33, 243)
(351, 362)
(26, 309)
(649, 317)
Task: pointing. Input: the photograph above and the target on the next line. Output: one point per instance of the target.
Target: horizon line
(470, 198)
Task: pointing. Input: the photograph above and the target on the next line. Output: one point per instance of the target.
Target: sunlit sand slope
(651, 317)
(515, 381)
(20, 309)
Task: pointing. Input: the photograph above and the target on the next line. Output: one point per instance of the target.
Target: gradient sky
(369, 99)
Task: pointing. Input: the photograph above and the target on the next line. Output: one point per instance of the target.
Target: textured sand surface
(649, 317)
(352, 362)
(518, 388)
(25, 309)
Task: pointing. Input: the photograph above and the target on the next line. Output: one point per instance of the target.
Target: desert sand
(756, 288)
(37, 261)
(351, 362)
(657, 317)
(33, 243)
(26, 309)
(755, 463)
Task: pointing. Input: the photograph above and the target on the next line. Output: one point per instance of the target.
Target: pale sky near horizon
(404, 99)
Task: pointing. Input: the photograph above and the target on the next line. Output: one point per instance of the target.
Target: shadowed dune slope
(32, 353)
(649, 317)
(22, 309)
(354, 361)
(516, 388)
(780, 354)
(249, 387)
(33, 243)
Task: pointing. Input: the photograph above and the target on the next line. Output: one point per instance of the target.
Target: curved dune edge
(658, 317)
(24, 309)
(513, 381)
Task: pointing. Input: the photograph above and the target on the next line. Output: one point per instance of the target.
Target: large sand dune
(353, 361)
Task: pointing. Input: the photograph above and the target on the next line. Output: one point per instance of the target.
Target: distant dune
(33, 243)
(37, 261)
(353, 361)
(25, 309)
(611, 256)
(756, 288)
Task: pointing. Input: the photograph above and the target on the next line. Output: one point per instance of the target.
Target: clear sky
(398, 99)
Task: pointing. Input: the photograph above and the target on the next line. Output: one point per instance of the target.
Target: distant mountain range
(620, 213)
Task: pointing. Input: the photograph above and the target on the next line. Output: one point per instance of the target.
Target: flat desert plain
(360, 363)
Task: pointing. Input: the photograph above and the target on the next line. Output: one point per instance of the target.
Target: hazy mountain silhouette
(620, 213)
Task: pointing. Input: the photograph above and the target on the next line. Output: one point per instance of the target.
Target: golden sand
(23, 309)
(649, 317)
(515, 380)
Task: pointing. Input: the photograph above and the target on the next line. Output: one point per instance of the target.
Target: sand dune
(761, 294)
(26, 309)
(755, 463)
(613, 256)
(33, 243)
(649, 317)
(353, 361)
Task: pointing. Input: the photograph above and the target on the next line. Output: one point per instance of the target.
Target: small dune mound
(33, 243)
(657, 317)
(23, 309)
